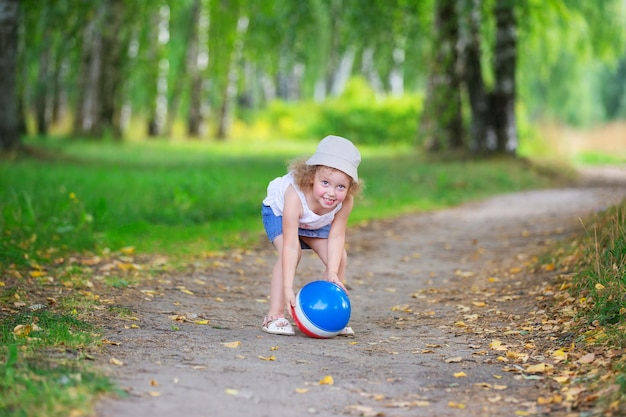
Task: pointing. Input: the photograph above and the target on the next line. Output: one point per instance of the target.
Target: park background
(153, 127)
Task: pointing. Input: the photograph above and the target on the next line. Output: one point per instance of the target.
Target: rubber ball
(322, 309)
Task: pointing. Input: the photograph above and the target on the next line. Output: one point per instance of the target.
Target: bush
(357, 114)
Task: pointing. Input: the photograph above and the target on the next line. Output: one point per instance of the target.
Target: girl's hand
(290, 301)
(334, 278)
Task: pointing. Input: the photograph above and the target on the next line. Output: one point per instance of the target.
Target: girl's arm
(291, 244)
(337, 240)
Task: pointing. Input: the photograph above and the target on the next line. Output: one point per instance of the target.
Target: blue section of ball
(326, 305)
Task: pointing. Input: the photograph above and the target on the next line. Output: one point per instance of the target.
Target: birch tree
(441, 123)
(9, 18)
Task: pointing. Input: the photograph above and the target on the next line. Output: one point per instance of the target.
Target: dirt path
(430, 292)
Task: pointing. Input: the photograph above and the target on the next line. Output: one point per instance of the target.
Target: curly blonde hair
(304, 174)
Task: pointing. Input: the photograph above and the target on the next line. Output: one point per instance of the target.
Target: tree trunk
(152, 73)
(230, 90)
(368, 68)
(162, 85)
(342, 73)
(59, 99)
(197, 62)
(505, 56)
(42, 93)
(111, 73)
(9, 120)
(481, 126)
(88, 103)
(334, 54)
(442, 124)
(396, 75)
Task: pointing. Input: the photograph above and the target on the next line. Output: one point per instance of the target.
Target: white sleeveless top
(275, 199)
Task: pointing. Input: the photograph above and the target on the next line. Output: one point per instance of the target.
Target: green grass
(597, 294)
(186, 198)
(43, 370)
(601, 279)
(600, 158)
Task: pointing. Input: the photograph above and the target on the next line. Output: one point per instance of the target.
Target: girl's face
(330, 187)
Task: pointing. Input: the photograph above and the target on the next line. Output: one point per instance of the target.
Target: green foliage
(357, 114)
(565, 47)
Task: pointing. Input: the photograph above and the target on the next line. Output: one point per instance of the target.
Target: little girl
(308, 209)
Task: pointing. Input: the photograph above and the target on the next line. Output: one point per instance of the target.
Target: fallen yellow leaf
(539, 368)
(232, 344)
(588, 358)
(268, 358)
(495, 344)
(302, 390)
(24, 330)
(407, 404)
(561, 379)
(559, 355)
(114, 361)
(327, 380)
(460, 374)
(453, 404)
(128, 250)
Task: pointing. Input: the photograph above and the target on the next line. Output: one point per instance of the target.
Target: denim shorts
(274, 227)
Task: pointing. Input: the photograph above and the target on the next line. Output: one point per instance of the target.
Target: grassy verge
(43, 372)
(600, 288)
(589, 302)
(83, 201)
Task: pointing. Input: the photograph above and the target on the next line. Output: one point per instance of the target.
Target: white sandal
(277, 325)
(347, 331)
